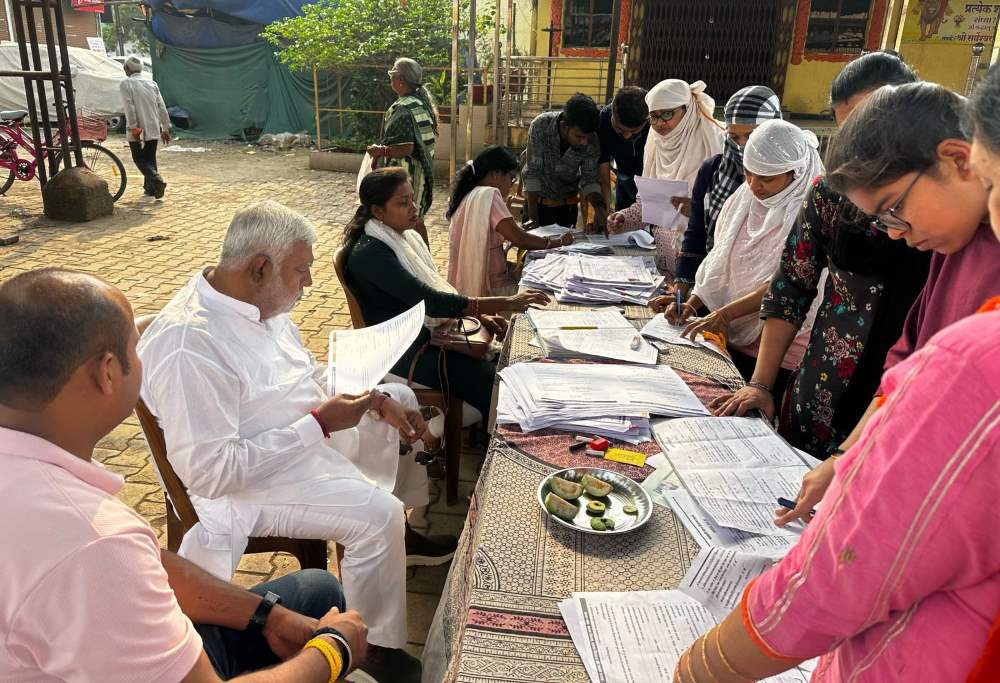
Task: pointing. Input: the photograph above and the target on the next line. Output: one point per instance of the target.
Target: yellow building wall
(807, 86)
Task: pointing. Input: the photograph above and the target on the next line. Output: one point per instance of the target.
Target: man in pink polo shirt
(87, 593)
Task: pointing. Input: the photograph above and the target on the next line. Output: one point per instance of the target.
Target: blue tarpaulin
(256, 11)
(181, 30)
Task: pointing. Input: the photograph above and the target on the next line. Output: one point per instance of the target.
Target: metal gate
(728, 44)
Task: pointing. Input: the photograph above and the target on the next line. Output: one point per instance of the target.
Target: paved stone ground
(149, 249)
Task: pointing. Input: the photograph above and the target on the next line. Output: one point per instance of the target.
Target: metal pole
(74, 129)
(36, 57)
(970, 83)
(510, 53)
(470, 106)
(616, 20)
(495, 109)
(20, 34)
(453, 156)
(57, 98)
(118, 29)
(319, 132)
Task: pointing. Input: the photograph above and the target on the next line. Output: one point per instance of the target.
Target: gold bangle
(704, 656)
(332, 655)
(690, 671)
(722, 656)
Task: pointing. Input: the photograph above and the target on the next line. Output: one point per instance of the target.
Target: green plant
(339, 33)
(133, 33)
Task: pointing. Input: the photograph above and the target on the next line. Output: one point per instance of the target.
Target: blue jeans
(311, 592)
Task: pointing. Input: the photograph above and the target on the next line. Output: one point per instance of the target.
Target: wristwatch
(259, 617)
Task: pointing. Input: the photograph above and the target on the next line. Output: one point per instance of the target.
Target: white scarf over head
(750, 233)
(679, 154)
(415, 258)
(469, 272)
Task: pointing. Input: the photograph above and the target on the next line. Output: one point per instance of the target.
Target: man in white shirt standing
(147, 121)
(264, 451)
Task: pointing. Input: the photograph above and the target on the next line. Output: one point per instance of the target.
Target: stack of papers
(735, 469)
(634, 238)
(555, 230)
(639, 636)
(571, 396)
(590, 334)
(580, 278)
(659, 329)
(575, 248)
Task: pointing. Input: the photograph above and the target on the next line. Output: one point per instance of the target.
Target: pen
(790, 504)
(578, 327)
(677, 298)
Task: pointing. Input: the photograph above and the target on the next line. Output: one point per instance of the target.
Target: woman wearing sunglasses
(898, 577)
(682, 135)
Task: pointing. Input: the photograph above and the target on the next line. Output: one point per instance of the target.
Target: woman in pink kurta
(481, 221)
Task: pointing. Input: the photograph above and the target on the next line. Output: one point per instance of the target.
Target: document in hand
(660, 329)
(360, 359)
(590, 334)
(636, 637)
(554, 230)
(634, 238)
(734, 467)
(656, 194)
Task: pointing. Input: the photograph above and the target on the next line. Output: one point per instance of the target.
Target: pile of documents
(599, 399)
(733, 470)
(581, 278)
(590, 334)
(634, 238)
(639, 636)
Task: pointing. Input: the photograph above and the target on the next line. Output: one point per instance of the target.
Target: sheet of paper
(360, 359)
(664, 480)
(365, 169)
(708, 534)
(608, 318)
(633, 238)
(617, 344)
(749, 452)
(717, 577)
(744, 499)
(570, 610)
(655, 194)
(695, 430)
(639, 637)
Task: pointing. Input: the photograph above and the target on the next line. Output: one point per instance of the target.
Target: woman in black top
(390, 270)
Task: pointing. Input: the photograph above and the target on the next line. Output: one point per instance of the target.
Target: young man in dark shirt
(622, 133)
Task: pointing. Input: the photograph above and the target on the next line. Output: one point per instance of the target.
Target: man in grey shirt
(148, 123)
(563, 152)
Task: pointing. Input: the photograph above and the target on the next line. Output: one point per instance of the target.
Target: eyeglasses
(666, 115)
(889, 219)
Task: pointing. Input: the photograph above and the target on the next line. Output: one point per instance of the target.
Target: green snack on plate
(565, 489)
(595, 486)
(563, 509)
(630, 510)
(598, 524)
(596, 507)
(609, 524)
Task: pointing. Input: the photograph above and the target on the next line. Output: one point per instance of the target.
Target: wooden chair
(454, 420)
(181, 515)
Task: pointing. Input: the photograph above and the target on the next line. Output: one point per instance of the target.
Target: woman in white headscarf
(779, 161)
(683, 133)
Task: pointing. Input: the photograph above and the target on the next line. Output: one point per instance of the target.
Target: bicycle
(97, 158)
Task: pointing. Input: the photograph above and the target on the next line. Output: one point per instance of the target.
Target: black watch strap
(263, 610)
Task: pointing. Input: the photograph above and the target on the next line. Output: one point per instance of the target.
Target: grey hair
(410, 71)
(264, 228)
(133, 64)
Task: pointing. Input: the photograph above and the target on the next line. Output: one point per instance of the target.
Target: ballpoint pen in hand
(677, 298)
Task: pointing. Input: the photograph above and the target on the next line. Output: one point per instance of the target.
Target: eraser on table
(627, 457)
(599, 444)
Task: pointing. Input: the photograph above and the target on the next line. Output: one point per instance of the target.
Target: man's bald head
(53, 321)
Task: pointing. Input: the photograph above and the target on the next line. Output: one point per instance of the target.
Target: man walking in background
(148, 123)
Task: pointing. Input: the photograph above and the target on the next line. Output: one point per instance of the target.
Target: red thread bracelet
(322, 425)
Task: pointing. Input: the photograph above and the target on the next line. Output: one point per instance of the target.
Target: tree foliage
(338, 33)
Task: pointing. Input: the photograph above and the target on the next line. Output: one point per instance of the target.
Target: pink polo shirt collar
(24, 445)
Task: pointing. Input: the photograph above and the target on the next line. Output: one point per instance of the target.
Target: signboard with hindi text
(951, 22)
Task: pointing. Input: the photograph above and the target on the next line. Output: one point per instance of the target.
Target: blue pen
(677, 298)
(785, 503)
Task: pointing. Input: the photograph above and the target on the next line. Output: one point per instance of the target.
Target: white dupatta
(470, 269)
(679, 154)
(750, 233)
(415, 258)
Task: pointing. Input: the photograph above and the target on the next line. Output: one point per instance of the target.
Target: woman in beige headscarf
(683, 133)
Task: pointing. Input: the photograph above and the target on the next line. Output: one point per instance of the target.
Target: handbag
(467, 336)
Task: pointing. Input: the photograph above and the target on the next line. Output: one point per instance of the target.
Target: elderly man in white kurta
(258, 443)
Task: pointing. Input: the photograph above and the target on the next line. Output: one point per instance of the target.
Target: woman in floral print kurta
(872, 282)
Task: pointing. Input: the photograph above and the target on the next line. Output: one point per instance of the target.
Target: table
(498, 618)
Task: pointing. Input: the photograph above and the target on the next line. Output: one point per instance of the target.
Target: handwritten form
(360, 359)
(655, 194)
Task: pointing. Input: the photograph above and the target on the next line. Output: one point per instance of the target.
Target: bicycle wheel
(7, 182)
(104, 163)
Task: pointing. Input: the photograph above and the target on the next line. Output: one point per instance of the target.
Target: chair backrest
(340, 266)
(176, 492)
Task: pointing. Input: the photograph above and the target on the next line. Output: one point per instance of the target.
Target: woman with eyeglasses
(898, 576)
(873, 280)
(481, 221)
(683, 134)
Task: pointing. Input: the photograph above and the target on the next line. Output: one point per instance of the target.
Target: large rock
(76, 194)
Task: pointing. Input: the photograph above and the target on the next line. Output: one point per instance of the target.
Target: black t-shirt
(627, 155)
